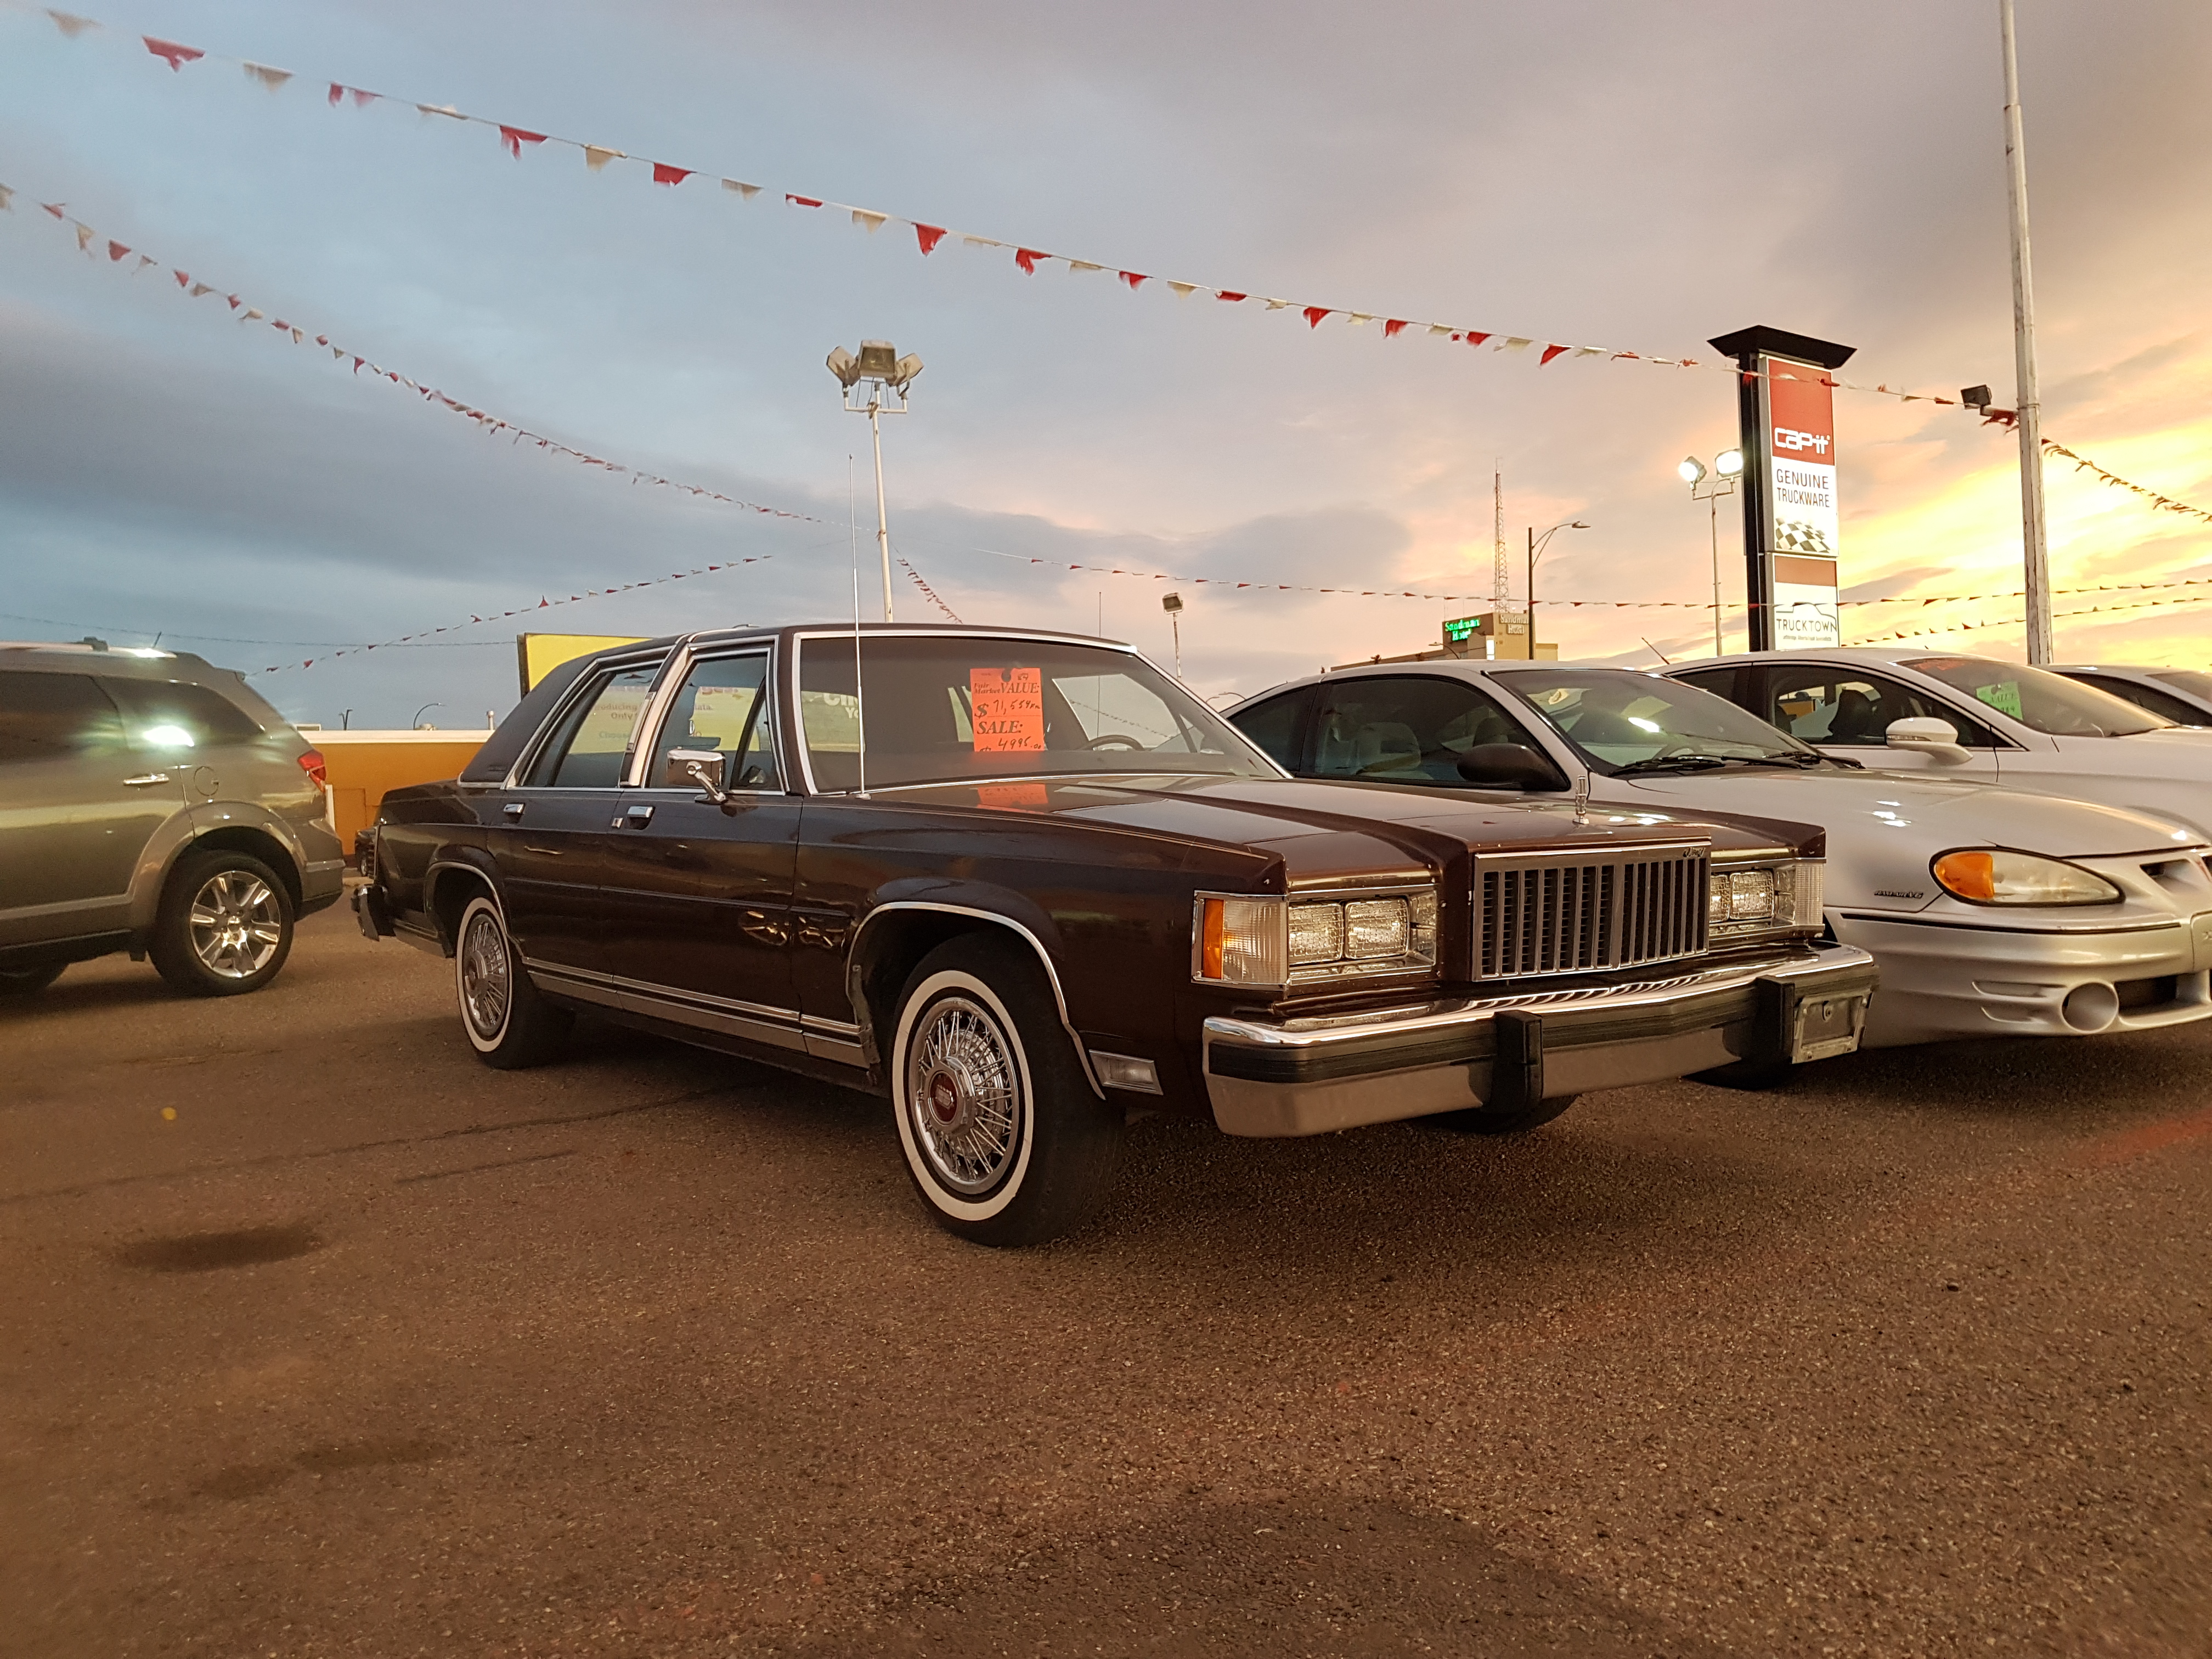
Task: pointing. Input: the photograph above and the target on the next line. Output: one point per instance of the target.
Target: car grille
(1572, 914)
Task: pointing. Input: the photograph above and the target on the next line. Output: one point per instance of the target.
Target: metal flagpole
(2029, 400)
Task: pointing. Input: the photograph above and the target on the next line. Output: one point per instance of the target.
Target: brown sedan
(1024, 884)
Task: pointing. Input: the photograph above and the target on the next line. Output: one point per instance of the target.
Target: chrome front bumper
(1303, 1077)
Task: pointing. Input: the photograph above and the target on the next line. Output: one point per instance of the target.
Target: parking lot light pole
(1726, 468)
(1535, 552)
(886, 375)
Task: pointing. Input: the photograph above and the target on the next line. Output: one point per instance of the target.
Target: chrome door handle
(514, 809)
(636, 817)
(145, 781)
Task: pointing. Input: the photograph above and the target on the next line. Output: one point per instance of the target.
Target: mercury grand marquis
(1027, 886)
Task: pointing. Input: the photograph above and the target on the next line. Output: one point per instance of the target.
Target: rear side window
(2145, 696)
(1721, 682)
(46, 717)
(586, 749)
(1273, 725)
(170, 715)
(1409, 729)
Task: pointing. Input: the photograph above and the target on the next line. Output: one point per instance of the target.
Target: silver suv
(149, 802)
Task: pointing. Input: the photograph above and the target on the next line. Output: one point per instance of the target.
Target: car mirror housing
(1927, 736)
(1510, 766)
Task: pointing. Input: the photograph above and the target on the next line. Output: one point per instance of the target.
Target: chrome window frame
(612, 664)
(637, 767)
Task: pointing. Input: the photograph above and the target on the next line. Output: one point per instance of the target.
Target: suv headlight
(1262, 941)
(1989, 876)
(1771, 898)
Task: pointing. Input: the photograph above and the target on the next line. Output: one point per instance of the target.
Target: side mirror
(704, 768)
(1937, 740)
(1510, 766)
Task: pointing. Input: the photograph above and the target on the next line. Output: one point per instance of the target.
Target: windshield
(1617, 717)
(2040, 699)
(956, 709)
(2185, 679)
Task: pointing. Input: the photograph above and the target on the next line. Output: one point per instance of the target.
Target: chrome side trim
(1051, 974)
(832, 1039)
(756, 1022)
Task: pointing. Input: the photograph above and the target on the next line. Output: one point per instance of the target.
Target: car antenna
(1658, 652)
(860, 692)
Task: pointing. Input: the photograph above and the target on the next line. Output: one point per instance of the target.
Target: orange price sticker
(1006, 706)
(1011, 795)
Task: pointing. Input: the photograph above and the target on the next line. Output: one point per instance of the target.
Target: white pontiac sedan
(2028, 728)
(1989, 912)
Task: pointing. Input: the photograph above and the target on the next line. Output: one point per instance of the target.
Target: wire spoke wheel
(487, 984)
(236, 924)
(963, 1096)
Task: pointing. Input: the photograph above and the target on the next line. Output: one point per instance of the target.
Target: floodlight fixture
(1728, 463)
(1976, 398)
(1692, 470)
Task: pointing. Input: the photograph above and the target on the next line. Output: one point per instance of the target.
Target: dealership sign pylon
(1785, 404)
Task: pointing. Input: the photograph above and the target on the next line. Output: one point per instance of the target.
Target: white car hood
(1885, 827)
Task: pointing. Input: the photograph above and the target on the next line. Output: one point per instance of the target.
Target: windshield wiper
(1801, 761)
(1672, 763)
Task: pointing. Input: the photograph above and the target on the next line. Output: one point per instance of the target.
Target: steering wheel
(1112, 738)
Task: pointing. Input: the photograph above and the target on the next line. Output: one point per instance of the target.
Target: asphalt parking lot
(323, 1338)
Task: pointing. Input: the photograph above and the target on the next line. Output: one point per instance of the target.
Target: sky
(1633, 176)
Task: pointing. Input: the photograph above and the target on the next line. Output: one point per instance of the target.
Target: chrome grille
(1569, 912)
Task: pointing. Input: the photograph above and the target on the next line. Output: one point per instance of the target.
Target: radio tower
(1497, 573)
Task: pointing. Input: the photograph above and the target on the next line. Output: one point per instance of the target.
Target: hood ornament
(1582, 798)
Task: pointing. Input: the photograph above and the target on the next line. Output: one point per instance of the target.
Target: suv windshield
(2040, 699)
(954, 708)
(1618, 719)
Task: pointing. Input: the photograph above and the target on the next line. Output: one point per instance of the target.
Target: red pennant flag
(1391, 327)
(665, 175)
(929, 236)
(234, 300)
(801, 201)
(1134, 280)
(514, 138)
(55, 208)
(322, 339)
(357, 362)
(286, 327)
(1224, 294)
(1475, 339)
(1550, 352)
(1026, 258)
(338, 94)
(115, 252)
(184, 279)
(171, 53)
(1313, 314)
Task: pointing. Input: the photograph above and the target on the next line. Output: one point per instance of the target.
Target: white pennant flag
(250, 313)
(270, 78)
(1438, 328)
(598, 156)
(744, 190)
(1515, 344)
(199, 289)
(1083, 264)
(1280, 305)
(873, 221)
(84, 235)
(7, 197)
(299, 336)
(72, 26)
(1183, 291)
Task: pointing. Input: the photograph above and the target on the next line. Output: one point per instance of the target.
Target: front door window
(721, 710)
(586, 749)
(1837, 708)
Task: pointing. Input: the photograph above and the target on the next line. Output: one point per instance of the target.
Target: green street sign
(1461, 628)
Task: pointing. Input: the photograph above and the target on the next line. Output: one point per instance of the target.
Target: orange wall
(360, 766)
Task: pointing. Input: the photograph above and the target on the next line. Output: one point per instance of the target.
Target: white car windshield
(2187, 679)
(1621, 721)
(961, 707)
(2040, 699)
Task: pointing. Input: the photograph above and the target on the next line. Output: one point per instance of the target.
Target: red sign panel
(1006, 706)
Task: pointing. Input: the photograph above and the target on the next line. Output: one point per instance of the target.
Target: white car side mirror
(1934, 738)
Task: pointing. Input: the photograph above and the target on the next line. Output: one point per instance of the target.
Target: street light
(1728, 467)
(886, 375)
(1535, 552)
(1172, 603)
(415, 724)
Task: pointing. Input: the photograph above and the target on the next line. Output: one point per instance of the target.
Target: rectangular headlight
(1376, 927)
(1785, 896)
(1316, 933)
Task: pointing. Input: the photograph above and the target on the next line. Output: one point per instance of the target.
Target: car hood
(1932, 814)
(1326, 832)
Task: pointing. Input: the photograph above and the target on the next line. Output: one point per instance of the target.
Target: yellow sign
(540, 654)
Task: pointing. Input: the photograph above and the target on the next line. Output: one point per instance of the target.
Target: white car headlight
(1275, 941)
(1989, 876)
